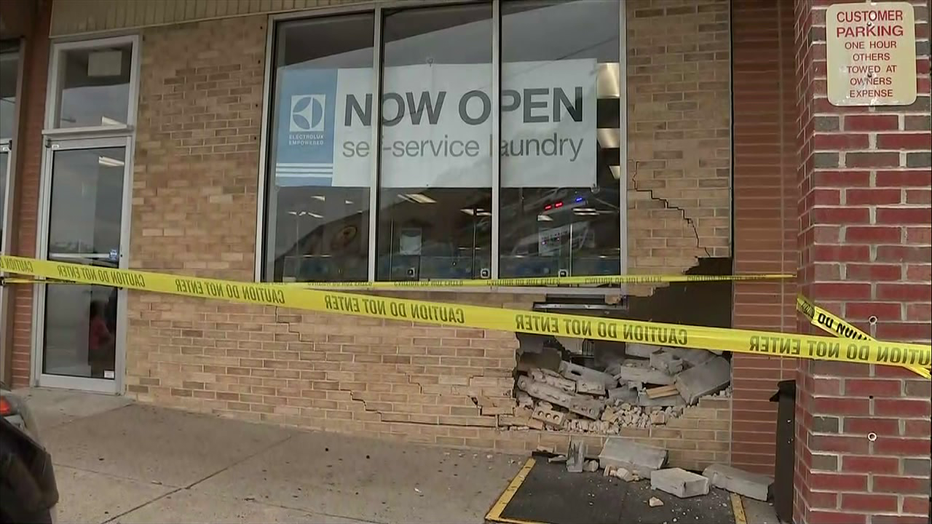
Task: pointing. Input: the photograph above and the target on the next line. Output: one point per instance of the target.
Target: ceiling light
(104, 121)
(417, 198)
(468, 211)
(544, 218)
(608, 81)
(609, 138)
(616, 172)
(315, 215)
(481, 213)
(322, 198)
(109, 162)
(348, 202)
(584, 210)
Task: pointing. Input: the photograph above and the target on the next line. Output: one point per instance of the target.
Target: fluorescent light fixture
(609, 138)
(106, 121)
(315, 215)
(348, 202)
(417, 198)
(483, 213)
(322, 198)
(616, 172)
(468, 211)
(109, 162)
(608, 81)
(584, 210)
(544, 218)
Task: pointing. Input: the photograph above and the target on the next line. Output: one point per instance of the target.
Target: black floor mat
(551, 495)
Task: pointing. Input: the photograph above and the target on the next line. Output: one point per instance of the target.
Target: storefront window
(318, 199)
(435, 191)
(9, 71)
(94, 86)
(560, 197)
(455, 195)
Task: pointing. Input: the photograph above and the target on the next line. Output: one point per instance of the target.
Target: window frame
(378, 9)
(51, 129)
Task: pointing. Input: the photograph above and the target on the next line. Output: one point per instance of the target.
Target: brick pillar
(28, 171)
(764, 87)
(862, 436)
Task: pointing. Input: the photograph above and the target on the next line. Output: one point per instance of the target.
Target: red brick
(899, 519)
(841, 291)
(839, 444)
(904, 254)
(863, 426)
(901, 408)
(919, 235)
(904, 215)
(873, 465)
(914, 178)
(909, 331)
(857, 197)
(841, 253)
(904, 141)
(873, 235)
(841, 215)
(840, 142)
(865, 310)
(865, 502)
(917, 428)
(873, 387)
(904, 292)
(918, 196)
(842, 178)
(871, 122)
(916, 505)
(835, 517)
(837, 482)
(919, 312)
(872, 159)
(841, 406)
(901, 446)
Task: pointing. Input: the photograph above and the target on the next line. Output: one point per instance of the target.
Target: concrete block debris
(679, 482)
(639, 459)
(745, 483)
(707, 378)
(576, 456)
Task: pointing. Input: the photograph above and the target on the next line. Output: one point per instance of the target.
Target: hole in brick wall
(590, 386)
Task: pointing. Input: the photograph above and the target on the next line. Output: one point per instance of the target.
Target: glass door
(81, 328)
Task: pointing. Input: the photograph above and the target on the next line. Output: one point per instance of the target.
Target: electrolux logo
(307, 113)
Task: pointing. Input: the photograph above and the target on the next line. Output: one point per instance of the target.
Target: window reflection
(560, 197)
(318, 199)
(94, 87)
(9, 71)
(435, 196)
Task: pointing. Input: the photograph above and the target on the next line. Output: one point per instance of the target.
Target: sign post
(871, 54)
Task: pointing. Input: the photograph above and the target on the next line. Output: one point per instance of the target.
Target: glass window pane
(560, 157)
(86, 210)
(317, 212)
(94, 86)
(435, 178)
(9, 70)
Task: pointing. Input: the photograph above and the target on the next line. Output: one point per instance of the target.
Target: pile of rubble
(631, 462)
(642, 387)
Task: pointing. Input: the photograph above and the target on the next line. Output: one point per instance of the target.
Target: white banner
(437, 126)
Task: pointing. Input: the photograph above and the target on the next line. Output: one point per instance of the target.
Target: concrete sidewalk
(116, 461)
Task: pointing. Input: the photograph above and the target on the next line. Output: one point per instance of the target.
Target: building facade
(235, 140)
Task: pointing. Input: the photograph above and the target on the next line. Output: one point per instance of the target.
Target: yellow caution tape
(828, 322)
(697, 337)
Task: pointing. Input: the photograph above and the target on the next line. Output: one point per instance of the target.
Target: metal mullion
(623, 134)
(376, 125)
(496, 134)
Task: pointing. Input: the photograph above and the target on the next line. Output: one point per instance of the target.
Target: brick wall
(194, 212)
(863, 431)
(679, 128)
(765, 219)
(28, 171)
